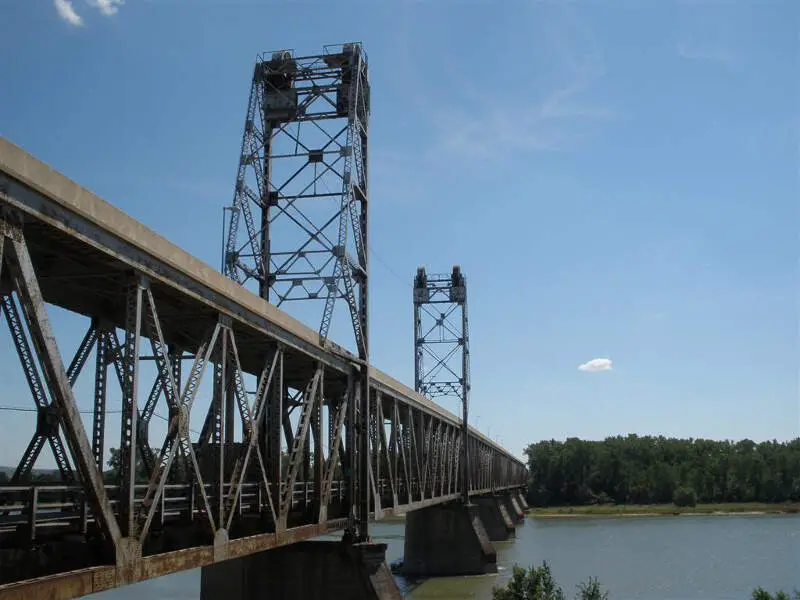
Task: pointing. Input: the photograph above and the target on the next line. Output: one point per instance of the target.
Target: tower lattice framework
(441, 344)
(297, 226)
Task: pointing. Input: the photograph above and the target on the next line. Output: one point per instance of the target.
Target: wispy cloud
(552, 124)
(707, 52)
(536, 120)
(596, 365)
(107, 7)
(67, 12)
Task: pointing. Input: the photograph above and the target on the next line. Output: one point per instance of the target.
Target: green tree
(685, 496)
(635, 470)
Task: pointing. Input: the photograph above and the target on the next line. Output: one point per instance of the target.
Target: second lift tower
(441, 347)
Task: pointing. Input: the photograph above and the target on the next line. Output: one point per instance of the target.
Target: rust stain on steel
(74, 584)
(62, 586)
(266, 541)
(172, 562)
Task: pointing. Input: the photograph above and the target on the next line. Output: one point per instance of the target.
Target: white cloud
(67, 12)
(107, 7)
(596, 365)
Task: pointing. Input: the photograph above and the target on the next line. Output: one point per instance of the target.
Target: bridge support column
(496, 518)
(523, 504)
(447, 539)
(312, 570)
(513, 507)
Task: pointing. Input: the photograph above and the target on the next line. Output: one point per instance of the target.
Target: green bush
(684, 496)
(591, 590)
(762, 594)
(537, 583)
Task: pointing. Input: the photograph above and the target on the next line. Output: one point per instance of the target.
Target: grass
(611, 510)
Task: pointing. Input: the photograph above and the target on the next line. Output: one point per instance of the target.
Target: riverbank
(661, 510)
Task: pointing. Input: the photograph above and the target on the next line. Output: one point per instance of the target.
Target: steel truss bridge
(284, 437)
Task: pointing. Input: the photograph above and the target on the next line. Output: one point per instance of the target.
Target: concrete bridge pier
(447, 539)
(495, 516)
(310, 570)
(523, 504)
(515, 511)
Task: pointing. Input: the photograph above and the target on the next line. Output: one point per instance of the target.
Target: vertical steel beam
(230, 406)
(352, 466)
(363, 454)
(405, 447)
(393, 455)
(465, 388)
(127, 448)
(220, 413)
(100, 388)
(305, 468)
(319, 458)
(274, 427)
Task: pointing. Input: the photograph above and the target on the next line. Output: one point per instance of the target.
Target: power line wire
(83, 412)
(388, 267)
(372, 250)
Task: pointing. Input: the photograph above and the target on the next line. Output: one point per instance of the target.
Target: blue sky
(617, 180)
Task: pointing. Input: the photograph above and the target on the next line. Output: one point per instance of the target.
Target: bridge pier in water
(496, 518)
(316, 570)
(447, 539)
(512, 505)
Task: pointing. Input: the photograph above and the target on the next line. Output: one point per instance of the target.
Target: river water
(642, 558)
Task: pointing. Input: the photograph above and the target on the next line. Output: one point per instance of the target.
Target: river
(642, 558)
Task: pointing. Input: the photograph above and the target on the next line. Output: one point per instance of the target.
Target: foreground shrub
(762, 594)
(537, 583)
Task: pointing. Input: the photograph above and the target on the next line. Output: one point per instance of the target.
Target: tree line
(654, 470)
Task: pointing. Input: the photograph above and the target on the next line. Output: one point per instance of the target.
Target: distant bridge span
(272, 463)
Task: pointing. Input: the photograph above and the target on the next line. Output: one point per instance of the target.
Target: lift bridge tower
(296, 231)
(441, 346)
(297, 226)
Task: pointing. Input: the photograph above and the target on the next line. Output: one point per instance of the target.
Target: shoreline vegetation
(662, 510)
(537, 583)
(697, 475)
